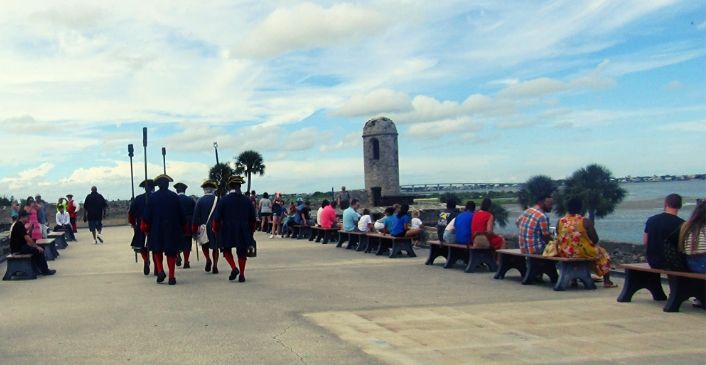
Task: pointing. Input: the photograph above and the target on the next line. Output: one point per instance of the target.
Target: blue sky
(480, 90)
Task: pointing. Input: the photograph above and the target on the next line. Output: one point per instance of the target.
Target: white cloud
(702, 25)
(440, 128)
(673, 85)
(687, 127)
(308, 25)
(375, 103)
(349, 141)
(30, 177)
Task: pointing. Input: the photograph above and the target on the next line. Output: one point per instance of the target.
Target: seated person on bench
(692, 239)
(22, 243)
(328, 215)
(577, 238)
(463, 224)
(403, 225)
(533, 226)
(351, 217)
(450, 232)
(483, 224)
(63, 223)
(365, 223)
(390, 218)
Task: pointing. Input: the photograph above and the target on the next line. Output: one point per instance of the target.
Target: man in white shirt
(318, 214)
(63, 223)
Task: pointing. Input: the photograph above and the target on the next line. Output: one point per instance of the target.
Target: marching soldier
(236, 221)
(202, 224)
(164, 222)
(137, 209)
(187, 206)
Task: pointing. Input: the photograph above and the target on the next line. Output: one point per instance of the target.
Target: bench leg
(681, 289)
(409, 248)
(20, 270)
(48, 253)
(61, 243)
(311, 233)
(508, 262)
(54, 250)
(538, 267)
(636, 280)
(579, 270)
(436, 251)
(454, 255)
(481, 257)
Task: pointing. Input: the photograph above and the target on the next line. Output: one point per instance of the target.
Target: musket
(147, 189)
(131, 153)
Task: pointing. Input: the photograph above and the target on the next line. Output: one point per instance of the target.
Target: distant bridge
(457, 187)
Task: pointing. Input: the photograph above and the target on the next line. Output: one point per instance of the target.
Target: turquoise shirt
(350, 219)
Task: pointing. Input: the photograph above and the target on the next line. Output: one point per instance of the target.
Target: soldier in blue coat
(134, 216)
(164, 222)
(203, 217)
(187, 206)
(236, 221)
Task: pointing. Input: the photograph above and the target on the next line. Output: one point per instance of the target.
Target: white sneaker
(272, 236)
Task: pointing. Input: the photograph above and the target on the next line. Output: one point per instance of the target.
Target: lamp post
(164, 159)
(131, 153)
(215, 147)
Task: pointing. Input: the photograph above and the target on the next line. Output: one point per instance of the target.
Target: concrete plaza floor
(307, 303)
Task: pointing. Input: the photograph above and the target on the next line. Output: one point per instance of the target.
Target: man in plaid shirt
(533, 225)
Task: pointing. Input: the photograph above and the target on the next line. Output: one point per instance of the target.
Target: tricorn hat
(237, 179)
(180, 186)
(69, 195)
(209, 184)
(146, 182)
(163, 177)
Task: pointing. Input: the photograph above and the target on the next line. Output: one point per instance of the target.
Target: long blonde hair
(692, 227)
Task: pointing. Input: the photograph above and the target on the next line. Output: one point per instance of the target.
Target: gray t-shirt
(265, 205)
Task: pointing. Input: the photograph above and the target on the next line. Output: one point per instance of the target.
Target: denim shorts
(697, 263)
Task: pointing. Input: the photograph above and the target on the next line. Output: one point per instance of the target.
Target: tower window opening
(376, 149)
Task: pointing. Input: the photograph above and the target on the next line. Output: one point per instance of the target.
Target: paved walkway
(306, 303)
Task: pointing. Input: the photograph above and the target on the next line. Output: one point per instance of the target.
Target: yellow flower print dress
(573, 241)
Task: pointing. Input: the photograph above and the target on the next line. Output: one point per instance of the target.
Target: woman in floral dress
(577, 238)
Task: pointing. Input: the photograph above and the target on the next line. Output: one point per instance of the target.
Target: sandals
(609, 285)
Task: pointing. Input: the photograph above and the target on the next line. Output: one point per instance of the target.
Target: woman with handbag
(201, 225)
(235, 219)
(577, 237)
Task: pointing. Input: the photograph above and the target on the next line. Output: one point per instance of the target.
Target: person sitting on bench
(63, 223)
(22, 243)
(450, 232)
(463, 224)
(403, 226)
(351, 217)
(390, 218)
(328, 215)
(365, 223)
(533, 226)
(692, 239)
(577, 238)
(483, 224)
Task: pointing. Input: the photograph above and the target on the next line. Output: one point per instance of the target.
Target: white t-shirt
(265, 205)
(451, 227)
(416, 223)
(363, 223)
(318, 216)
(62, 219)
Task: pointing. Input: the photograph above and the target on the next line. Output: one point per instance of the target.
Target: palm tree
(249, 162)
(595, 185)
(220, 174)
(500, 214)
(536, 187)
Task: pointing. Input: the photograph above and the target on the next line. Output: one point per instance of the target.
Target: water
(643, 200)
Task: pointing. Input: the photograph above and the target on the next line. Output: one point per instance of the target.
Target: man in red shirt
(72, 208)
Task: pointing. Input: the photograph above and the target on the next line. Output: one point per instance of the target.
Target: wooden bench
(325, 234)
(20, 267)
(682, 285)
(436, 249)
(355, 239)
(533, 267)
(384, 242)
(60, 237)
(472, 257)
(49, 246)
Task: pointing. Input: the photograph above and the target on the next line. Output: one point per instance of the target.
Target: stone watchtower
(380, 155)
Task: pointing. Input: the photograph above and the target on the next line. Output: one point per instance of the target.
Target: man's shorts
(95, 225)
